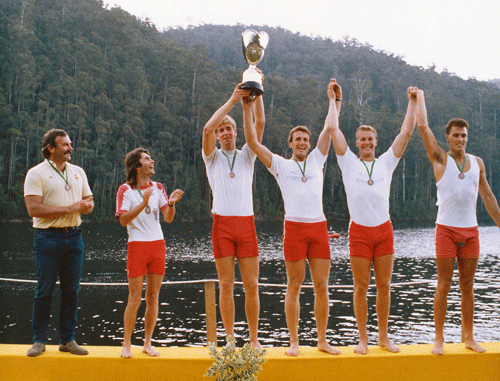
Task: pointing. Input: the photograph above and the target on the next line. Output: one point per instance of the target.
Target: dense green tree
(114, 82)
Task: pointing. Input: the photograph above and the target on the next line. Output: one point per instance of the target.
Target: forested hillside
(114, 82)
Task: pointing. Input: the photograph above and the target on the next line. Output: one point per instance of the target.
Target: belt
(61, 230)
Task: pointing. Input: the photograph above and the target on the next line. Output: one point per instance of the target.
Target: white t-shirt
(368, 204)
(145, 227)
(457, 198)
(231, 196)
(47, 182)
(303, 200)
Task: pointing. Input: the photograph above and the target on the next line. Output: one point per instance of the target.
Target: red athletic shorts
(371, 241)
(234, 236)
(305, 240)
(146, 257)
(457, 242)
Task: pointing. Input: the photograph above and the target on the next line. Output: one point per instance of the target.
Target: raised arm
(401, 141)
(260, 117)
(489, 199)
(209, 141)
(251, 134)
(332, 119)
(436, 155)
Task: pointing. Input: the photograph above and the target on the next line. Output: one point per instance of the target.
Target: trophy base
(255, 87)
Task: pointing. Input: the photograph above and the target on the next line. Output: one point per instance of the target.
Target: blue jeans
(57, 254)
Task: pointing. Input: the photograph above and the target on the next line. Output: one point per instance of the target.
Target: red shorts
(146, 257)
(371, 241)
(305, 240)
(457, 242)
(234, 236)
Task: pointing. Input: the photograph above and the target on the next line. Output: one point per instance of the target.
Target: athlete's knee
(444, 285)
(467, 286)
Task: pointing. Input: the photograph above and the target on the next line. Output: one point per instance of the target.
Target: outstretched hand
(412, 93)
(334, 90)
(175, 196)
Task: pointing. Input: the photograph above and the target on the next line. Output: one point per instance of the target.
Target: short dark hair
(456, 122)
(49, 139)
(132, 162)
(298, 128)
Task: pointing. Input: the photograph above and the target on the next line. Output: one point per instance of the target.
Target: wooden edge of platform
(414, 362)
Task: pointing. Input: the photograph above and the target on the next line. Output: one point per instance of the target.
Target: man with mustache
(56, 193)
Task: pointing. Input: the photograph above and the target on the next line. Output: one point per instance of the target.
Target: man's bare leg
(467, 271)
(320, 271)
(382, 267)
(153, 285)
(225, 271)
(361, 268)
(445, 267)
(295, 277)
(249, 269)
(130, 315)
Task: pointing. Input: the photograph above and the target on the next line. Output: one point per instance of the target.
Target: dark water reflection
(181, 316)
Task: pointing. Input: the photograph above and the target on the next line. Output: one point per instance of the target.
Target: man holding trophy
(230, 174)
(305, 231)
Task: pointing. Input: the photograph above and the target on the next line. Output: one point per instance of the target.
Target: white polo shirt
(46, 181)
(146, 226)
(368, 204)
(303, 200)
(231, 196)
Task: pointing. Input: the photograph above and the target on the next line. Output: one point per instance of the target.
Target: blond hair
(366, 127)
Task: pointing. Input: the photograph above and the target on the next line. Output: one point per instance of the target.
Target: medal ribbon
(139, 189)
(461, 169)
(231, 165)
(59, 173)
(371, 169)
(304, 170)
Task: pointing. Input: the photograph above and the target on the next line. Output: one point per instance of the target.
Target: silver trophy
(254, 45)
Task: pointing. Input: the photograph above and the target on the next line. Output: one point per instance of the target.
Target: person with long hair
(140, 204)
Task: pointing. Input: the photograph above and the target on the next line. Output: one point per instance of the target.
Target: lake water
(181, 316)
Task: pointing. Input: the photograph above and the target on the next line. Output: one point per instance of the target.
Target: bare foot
(438, 348)
(362, 347)
(325, 347)
(293, 350)
(149, 350)
(388, 344)
(255, 344)
(126, 352)
(473, 346)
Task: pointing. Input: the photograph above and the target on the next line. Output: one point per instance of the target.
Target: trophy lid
(254, 44)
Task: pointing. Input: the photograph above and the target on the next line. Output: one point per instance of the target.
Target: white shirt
(303, 200)
(46, 181)
(145, 227)
(368, 204)
(231, 196)
(457, 198)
